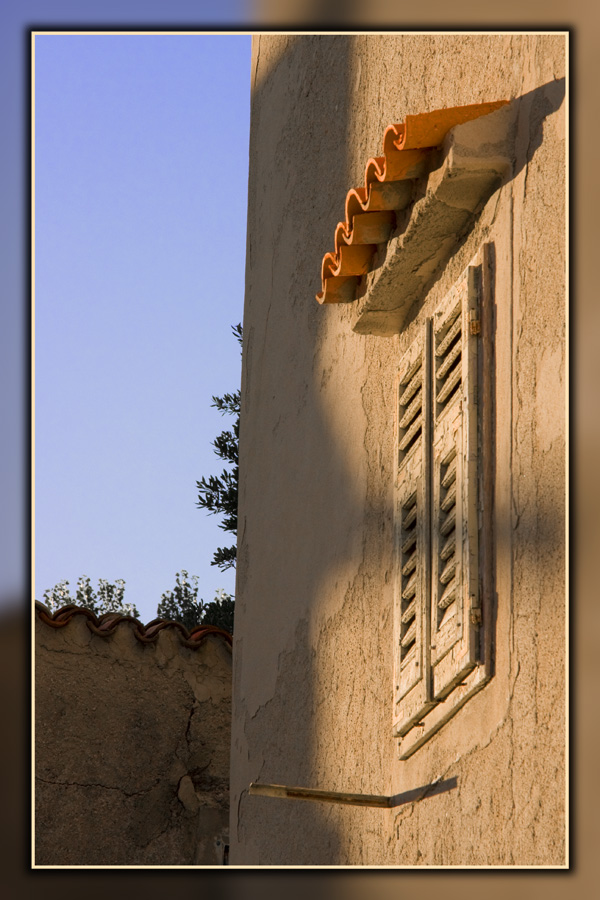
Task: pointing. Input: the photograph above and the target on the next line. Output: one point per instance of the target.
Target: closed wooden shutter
(412, 693)
(454, 540)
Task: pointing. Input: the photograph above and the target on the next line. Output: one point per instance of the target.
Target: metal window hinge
(474, 323)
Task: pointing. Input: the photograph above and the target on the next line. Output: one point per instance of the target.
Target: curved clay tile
(108, 623)
(370, 210)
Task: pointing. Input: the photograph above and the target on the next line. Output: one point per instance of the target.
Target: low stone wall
(132, 735)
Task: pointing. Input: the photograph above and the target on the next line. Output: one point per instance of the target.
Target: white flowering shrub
(182, 604)
(109, 598)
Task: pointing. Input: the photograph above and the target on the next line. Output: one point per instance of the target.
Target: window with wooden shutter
(438, 615)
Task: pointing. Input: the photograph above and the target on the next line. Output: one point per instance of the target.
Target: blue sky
(16, 21)
(141, 167)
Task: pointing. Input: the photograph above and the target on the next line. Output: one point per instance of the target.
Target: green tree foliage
(220, 611)
(182, 605)
(109, 598)
(219, 493)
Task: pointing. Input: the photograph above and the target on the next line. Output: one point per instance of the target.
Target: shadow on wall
(15, 823)
(277, 736)
(273, 291)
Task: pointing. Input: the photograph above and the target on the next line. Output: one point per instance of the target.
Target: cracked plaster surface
(313, 692)
(132, 748)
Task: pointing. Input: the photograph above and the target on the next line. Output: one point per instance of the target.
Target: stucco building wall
(132, 747)
(312, 699)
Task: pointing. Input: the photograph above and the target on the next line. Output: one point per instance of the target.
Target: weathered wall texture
(132, 747)
(313, 646)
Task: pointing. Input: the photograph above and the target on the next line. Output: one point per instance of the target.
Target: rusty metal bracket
(382, 801)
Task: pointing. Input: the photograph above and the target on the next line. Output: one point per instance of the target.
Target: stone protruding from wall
(131, 743)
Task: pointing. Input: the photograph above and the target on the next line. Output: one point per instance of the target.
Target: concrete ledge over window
(471, 165)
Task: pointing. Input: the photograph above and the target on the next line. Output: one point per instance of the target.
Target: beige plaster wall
(131, 748)
(312, 700)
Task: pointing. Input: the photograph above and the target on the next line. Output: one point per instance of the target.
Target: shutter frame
(412, 682)
(467, 665)
(455, 637)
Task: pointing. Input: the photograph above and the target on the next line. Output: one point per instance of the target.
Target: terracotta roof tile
(148, 634)
(370, 210)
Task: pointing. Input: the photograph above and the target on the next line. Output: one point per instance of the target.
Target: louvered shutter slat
(410, 541)
(449, 360)
(410, 434)
(449, 547)
(410, 565)
(410, 518)
(448, 572)
(450, 383)
(409, 614)
(450, 475)
(451, 334)
(448, 597)
(410, 589)
(449, 522)
(412, 410)
(412, 388)
(450, 499)
(410, 635)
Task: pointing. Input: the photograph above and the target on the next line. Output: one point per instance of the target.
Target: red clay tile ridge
(410, 152)
(146, 634)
